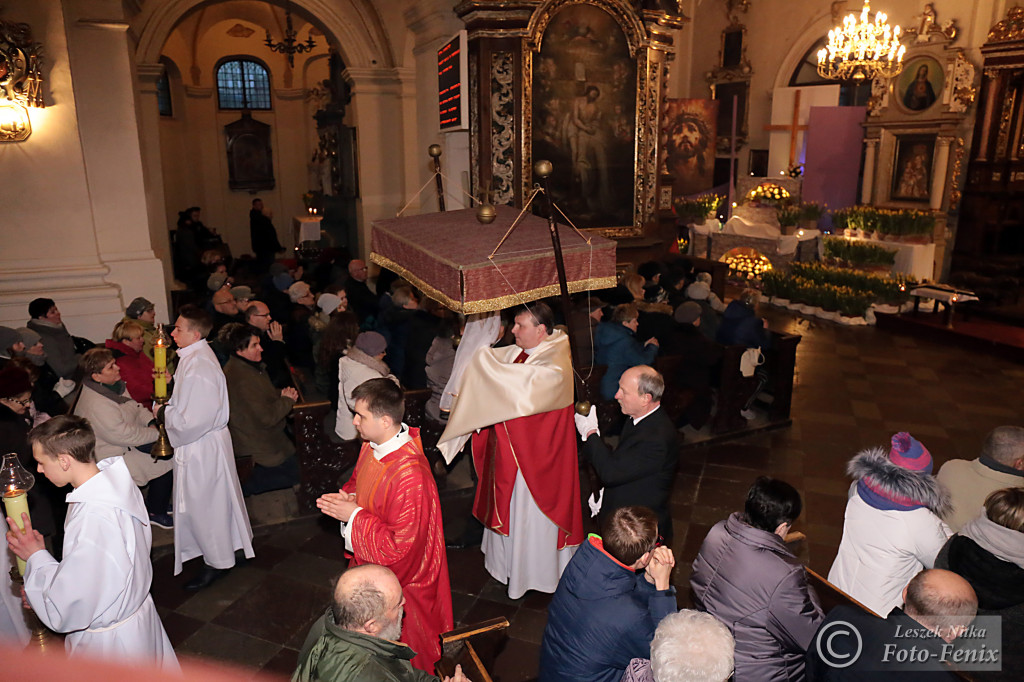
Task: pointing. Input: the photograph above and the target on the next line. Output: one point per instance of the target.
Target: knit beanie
(371, 343)
(29, 337)
(137, 307)
(698, 291)
(328, 303)
(242, 293)
(892, 491)
(8, 337)
(216, 281)
(907, 452)
(687, 312)
(282, 280)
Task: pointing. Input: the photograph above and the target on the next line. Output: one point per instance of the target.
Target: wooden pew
(457, 649)
(324, 464)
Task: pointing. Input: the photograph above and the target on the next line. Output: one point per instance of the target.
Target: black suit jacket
(837, 644)
(640, 471)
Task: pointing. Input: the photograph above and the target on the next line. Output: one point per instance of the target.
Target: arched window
(163, 95)
(243, 84)
(852, 93)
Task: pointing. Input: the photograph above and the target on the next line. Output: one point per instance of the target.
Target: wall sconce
(21, 80)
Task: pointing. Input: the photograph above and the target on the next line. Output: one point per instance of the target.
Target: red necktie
(521, 358)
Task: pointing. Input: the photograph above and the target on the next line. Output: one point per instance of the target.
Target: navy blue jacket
(742, 327)
(615, 345)
(602, 615)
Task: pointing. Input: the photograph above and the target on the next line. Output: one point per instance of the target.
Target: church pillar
(290, 145)
(149, 136)
(105, 95)
(868, 181)
(77, 227)
(432, 28)
(382, 103)
(939, 172)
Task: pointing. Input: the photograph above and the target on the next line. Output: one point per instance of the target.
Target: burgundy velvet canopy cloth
(445, 255)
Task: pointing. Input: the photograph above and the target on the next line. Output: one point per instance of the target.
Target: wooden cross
(794, 128)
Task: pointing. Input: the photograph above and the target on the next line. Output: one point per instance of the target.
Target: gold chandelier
(862, 50)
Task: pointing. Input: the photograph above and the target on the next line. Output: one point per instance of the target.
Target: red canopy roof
(445, 255)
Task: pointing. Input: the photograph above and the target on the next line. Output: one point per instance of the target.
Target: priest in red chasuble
(390, 515)
(528, 496)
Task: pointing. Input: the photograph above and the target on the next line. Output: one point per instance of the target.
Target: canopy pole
(542, 169)
(435, 152)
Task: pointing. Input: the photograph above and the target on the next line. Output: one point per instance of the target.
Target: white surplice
(12, 620)
(524, 559)
(99, 592)
(210, 519)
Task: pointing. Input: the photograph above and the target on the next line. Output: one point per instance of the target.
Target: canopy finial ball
(486, 213)
(542, 168)
(434, 150)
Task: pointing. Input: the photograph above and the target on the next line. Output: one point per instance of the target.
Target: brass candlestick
(162, 447)
(40, 635)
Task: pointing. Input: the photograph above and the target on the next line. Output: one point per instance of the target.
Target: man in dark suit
(854, 644)
(641, 469)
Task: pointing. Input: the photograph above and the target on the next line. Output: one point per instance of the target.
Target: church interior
(874, 208)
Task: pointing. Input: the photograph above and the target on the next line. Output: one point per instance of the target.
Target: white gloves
(594, 502)
(586, 424)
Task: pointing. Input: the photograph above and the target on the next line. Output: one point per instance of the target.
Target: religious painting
(687, 144)
(727, 95)
(584, 116)
(250, 164)
(919, 85)
(912, 168)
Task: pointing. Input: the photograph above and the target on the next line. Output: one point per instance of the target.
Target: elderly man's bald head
(368, 599)
(942, 601)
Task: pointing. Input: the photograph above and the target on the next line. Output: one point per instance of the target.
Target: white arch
(354, 26)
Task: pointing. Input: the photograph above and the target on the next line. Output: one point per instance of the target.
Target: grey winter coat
(747, 578)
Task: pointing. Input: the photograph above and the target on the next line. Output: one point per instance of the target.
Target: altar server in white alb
(99, 593)
(210, 519)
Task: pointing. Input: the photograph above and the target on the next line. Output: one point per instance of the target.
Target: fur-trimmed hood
(898, 483)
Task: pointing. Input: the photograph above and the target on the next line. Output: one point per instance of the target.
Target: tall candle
(16, 502)
(160, 369)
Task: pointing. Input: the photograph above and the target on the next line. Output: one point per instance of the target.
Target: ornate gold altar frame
(650, 45)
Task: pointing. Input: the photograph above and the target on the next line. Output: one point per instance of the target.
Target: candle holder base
(40, 636)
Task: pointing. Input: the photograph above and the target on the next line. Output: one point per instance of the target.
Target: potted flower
(789, 218)
(810, 214)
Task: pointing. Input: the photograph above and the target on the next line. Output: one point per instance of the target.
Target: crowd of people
(918, 550)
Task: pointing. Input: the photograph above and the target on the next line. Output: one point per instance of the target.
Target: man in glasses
(604, 612)
(272, 341)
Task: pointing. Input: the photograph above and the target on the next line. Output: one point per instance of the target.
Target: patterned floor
(855, 387)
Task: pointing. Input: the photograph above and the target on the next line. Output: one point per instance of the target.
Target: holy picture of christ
(687, 144)
(584, 114)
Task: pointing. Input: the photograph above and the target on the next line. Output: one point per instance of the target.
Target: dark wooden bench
(325, 464)
(457, 649)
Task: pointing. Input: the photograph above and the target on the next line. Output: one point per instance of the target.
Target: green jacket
(333, 654)
(258, 414)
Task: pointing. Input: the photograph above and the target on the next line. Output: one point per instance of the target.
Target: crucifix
(794, 128)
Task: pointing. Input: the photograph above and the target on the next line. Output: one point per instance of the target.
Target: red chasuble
(543, 447)
(400, 527)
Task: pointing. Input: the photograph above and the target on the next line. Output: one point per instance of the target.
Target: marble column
(939, 172)
(383, 115)
(868, 180)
